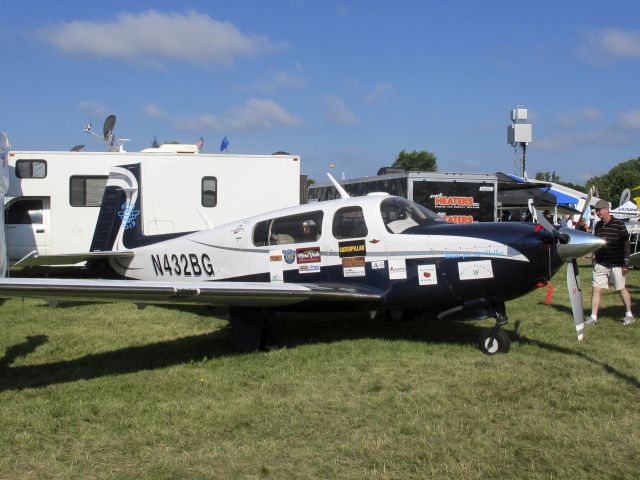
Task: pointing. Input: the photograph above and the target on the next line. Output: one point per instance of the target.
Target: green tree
(548, 177)
(416, 161)
(555, 178)
(610, 186)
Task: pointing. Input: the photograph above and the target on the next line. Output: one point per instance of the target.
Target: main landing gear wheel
(251, 329)
(494, 341)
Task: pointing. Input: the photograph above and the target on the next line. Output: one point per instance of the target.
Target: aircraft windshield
(400, 215)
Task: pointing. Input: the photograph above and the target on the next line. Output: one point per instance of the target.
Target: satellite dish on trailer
(109, 123)
(113, 144)
(77, 148)
(625, 196)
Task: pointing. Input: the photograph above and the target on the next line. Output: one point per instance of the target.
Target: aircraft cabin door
(27, 227)
(360, 238)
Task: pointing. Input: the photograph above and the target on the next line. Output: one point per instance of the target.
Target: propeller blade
(586, 204)
(546, 224)
(575, 295)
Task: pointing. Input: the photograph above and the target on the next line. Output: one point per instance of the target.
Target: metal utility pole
(519, 135)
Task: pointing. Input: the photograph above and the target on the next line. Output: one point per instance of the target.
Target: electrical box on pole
(519, 135)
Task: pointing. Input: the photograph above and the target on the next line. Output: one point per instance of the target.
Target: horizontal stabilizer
(35, 260)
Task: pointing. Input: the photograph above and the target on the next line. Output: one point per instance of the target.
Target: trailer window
(31, 169)
(348, 222)
(209, 191)
(301, 228)
(86, 191)
(24, 212)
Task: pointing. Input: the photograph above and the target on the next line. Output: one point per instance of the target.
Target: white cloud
(574, 118)
(630, 120)
(262, 114)
(275, 81)
(92, 109)
(256, 113)
(610, 44)
(576, 139)
(153, 38)
(337, 110)
(380, 92)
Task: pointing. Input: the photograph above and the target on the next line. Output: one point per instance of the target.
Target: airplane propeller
(571, 245)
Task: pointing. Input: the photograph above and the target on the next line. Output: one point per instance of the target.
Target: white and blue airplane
(375, 253)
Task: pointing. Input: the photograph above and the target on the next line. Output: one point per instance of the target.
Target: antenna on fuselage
(343, 193)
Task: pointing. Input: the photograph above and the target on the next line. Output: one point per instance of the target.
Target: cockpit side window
(399, 215)
(349, 222)
(300, 228)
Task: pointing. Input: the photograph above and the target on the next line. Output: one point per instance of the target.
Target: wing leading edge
(244, 294)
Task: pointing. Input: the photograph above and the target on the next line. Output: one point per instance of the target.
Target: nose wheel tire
(494, 341)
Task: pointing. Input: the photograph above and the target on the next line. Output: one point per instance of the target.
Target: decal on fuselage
(475, 270)
(377, 265)
(276, 271)
(397, 269)
(128, 214)
(353, 248)
(308, 255)
(289, 256)
(427, 275)
(353, 267)
(182, 265)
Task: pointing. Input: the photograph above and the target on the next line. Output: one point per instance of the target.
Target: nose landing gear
(494, 340)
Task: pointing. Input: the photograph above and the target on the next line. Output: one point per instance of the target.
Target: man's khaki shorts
(601, 276)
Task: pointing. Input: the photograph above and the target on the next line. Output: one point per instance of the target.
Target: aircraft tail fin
(119, 211)
(120, 220)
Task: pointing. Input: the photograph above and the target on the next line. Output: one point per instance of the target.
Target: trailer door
(27, 227)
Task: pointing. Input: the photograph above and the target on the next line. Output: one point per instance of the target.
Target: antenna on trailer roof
(113, 144)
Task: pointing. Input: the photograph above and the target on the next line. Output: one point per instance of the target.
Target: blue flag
(225, 144)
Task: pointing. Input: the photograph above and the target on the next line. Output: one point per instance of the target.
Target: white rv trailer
(54, 198)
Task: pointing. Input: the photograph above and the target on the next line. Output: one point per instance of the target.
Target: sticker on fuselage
(308, 255)
(289, 256)
(475, 270)
(353, 267)
(377, 265)
(309, 268)
(276, 267)
(353, 248)
(397, 269)
(427, 275)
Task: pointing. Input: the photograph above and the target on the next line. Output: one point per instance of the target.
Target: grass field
(109, 391)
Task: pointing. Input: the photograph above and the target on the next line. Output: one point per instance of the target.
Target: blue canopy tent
(562, 199)
(514, 194)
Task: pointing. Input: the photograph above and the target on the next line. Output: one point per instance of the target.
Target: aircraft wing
(35, 260)
(242, 294)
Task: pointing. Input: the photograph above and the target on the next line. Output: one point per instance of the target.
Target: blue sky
(349, 83)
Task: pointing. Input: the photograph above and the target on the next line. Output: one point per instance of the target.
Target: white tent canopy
(627, 210)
